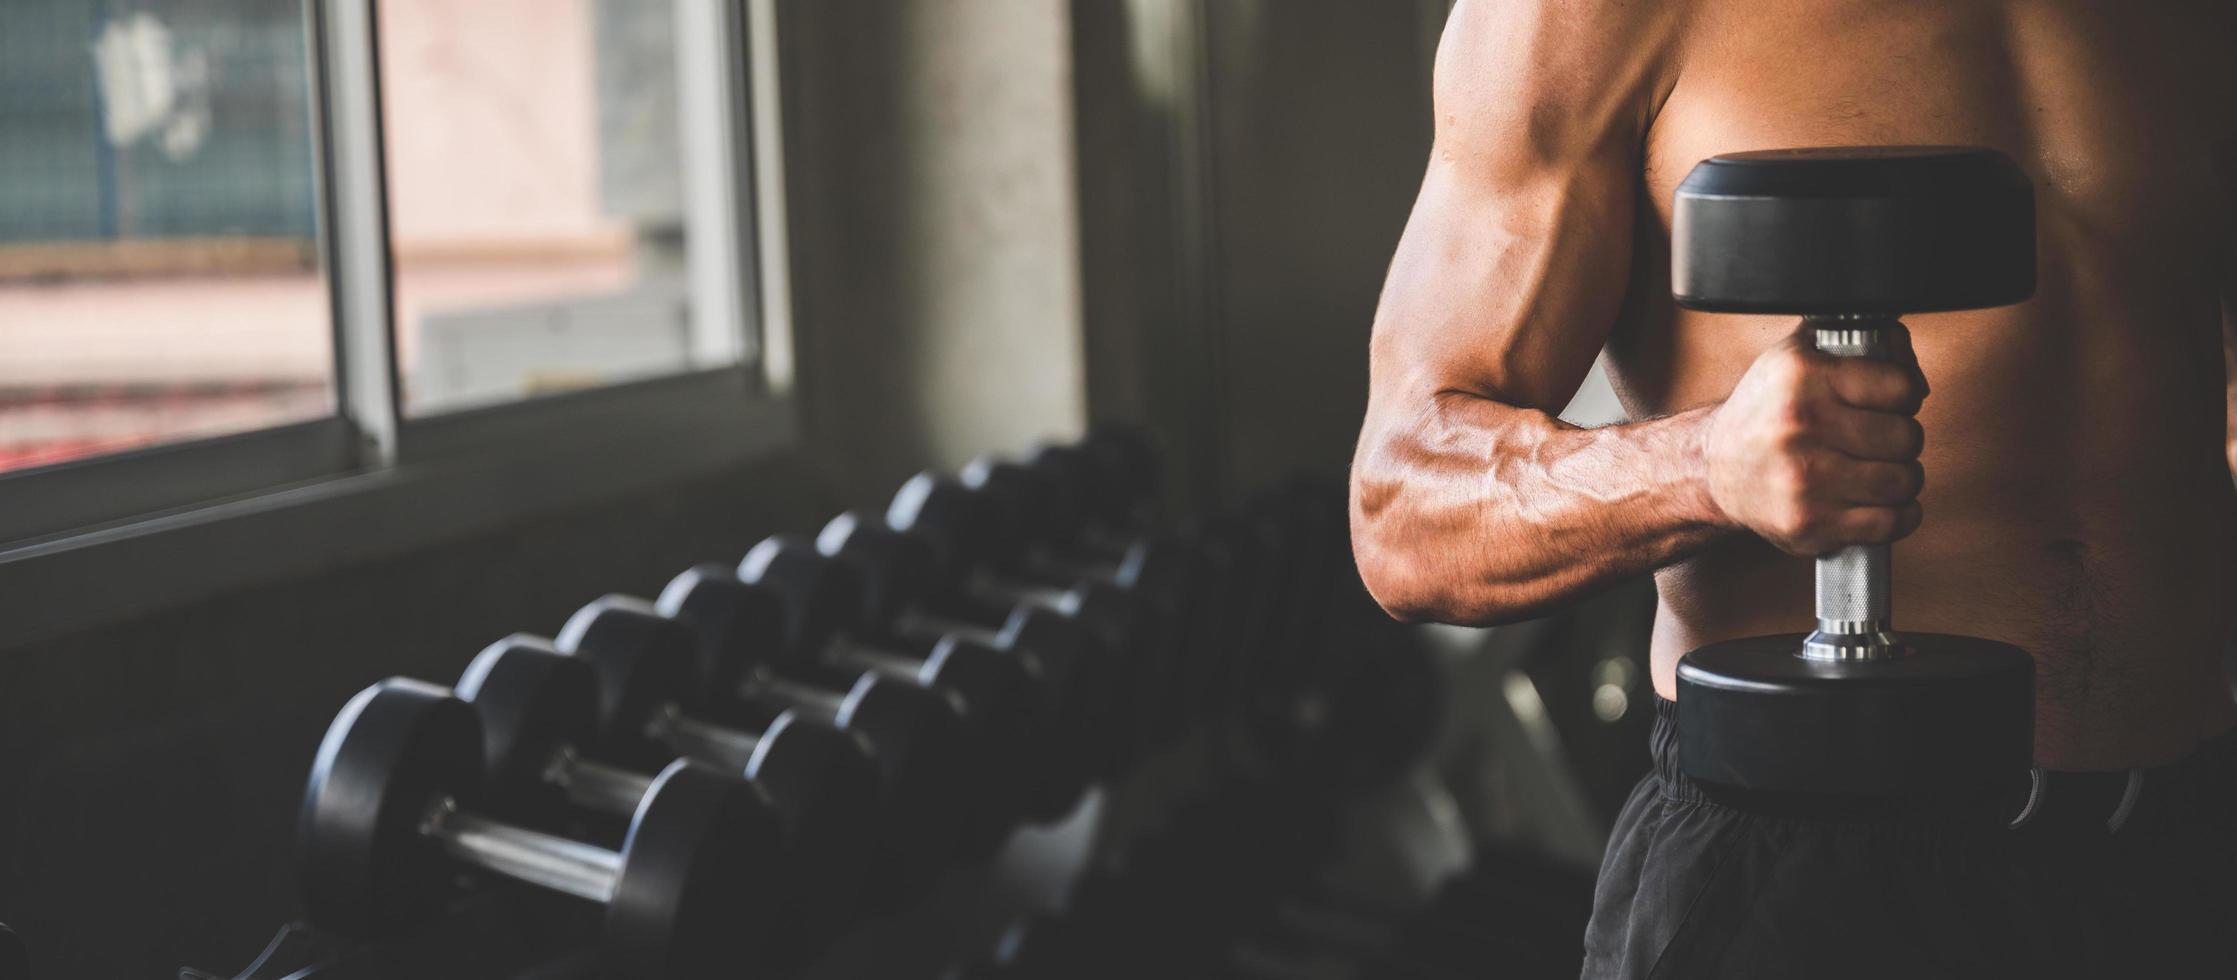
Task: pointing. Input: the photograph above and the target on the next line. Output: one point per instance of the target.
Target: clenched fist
(1815, 452)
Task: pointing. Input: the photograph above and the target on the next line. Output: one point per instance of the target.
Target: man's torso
(2077, 501)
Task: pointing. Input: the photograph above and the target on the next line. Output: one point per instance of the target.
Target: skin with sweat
(2055, 474)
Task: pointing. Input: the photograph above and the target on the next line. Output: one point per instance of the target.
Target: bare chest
(2121, 114)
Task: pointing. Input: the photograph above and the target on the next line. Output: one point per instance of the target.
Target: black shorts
(2113, 874)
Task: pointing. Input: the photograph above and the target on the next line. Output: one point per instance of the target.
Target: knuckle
(1795, 419)
(1790, 366)
(1890, 482)
(1912, 437)
(1797, 474)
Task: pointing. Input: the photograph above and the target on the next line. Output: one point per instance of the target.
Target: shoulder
(1550, 77)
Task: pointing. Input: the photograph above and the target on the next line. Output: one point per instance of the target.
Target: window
(539, 217)
(160, 277)
(264, 254)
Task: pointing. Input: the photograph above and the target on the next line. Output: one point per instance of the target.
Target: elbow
(1413, 584)
(1399, 592)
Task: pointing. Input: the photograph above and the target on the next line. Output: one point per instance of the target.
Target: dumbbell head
(1069, 472)
(1853, 230)
(644, 662)
(820, 598)
(826, 786)
(961, 527)
(534, 703)
(694, 896)
(932, 790)
(1043, 507)
(684, 897)
(1950, 716)
(1125, 462)
(733, 625)
(896, 570)
(395, 749)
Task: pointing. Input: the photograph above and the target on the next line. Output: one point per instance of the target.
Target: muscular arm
(1471, 502)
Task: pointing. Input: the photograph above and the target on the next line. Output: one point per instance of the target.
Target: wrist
(1693, 487)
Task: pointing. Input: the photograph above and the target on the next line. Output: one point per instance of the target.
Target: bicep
(1506, 290)
(1514, 263)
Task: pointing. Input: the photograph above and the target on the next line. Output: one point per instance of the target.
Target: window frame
(368, 480)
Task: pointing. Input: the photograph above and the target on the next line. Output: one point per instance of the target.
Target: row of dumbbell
(897, 694)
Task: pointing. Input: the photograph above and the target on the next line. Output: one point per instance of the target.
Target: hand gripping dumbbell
(390, 819)
(1849, 238)
(543, 769)
(1074, 670)
(653, 696)
(825, 602)
(750, 634)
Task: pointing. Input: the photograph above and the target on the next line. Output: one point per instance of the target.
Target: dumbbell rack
(1282, 703)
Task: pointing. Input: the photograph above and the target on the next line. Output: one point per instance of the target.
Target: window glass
(160, 273)
(537, 210)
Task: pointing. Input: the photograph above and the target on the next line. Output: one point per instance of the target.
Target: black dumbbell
(1073, 533)
(1849, 238)
(654, 704)
(748, 632)
(974, 537)
(1076, 671)
(1126, 475)
(995, 688)
(390, 820)
(978, 535)
(539, 712)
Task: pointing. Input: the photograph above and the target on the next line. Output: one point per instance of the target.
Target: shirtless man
(2066, 488)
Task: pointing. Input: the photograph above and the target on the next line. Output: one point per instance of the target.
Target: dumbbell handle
(598, 786)
(567, 866)
(1852, 583)
(733, 748)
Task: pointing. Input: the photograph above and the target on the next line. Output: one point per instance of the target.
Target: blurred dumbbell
(653, 706)
(976, 537)
(907, 598)
(973, 538)
(997, 685)
(391, 818)
(754, 637)
(544, 769)
(1066, 534)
